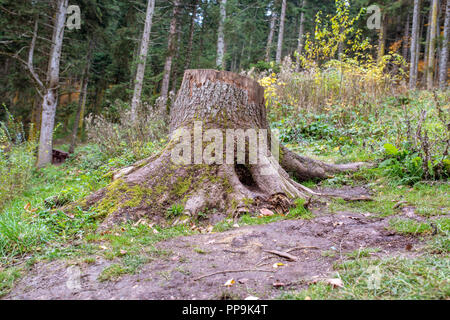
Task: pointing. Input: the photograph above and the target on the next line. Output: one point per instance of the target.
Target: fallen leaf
(278, 284)
(265, 212)
(123, 252)
(278, 264)
(308, 298)
(243, 280)
(229, 283)
(335, 283)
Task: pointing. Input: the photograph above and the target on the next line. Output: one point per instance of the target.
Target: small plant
(175, 211)
(299, 211)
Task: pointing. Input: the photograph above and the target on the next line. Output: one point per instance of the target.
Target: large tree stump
(210, 107)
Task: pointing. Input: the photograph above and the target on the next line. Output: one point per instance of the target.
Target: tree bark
(213, 109)
(281, 33)
(140, 71)
(221, 35)
(300, 36)
(187, 63)
(170, 54)
(273, 21)
(50, 99)
(382, 38)
(432, 45)
(443, 70)
(406, 39)
(82, 98)
(414, 44)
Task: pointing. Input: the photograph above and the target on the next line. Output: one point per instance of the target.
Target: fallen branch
(300, 248)
(282, 254)
(232, 271)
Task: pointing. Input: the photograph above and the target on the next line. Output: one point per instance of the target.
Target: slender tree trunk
(273, 21)
(382, 38)
(170, 53)
(444, 50)
(300, 36)
(82, 98)
(406, 39)
(175, 69)
(427, 48)
(187, 63)
(414, 45)
(281, 33)
(50, 100)
(431, 50)
(140, 71)
(221, 35)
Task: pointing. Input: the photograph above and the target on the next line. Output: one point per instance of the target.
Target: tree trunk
(221, 35)
(50, 99)
(170, 53)
(443, 70)
(406, 39)
(300, 36)
(273, 21)
(432, 45)
(187, 63)
(281, 33)
(414, 44)
(382, 38)
(213, 109)
(81, 99)
(140, 71)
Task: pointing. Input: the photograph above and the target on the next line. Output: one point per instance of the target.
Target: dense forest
(92, 92)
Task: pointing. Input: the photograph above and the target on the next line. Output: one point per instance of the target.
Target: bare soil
(176, 276)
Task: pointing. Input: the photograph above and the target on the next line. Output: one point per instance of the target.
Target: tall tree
(187, 63)
(273, 21)
(300, 35)
(444, 50)
(82, 98)
(281, 32)
(140, 71)
(171, 50)
(221, 35)
(414, 44)
(432, 45)
(50, 99)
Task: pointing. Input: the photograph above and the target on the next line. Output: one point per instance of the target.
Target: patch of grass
(412, 227)
(362, 253)
(7, 279)
(112, 273)
(394, 278)
(299, 211)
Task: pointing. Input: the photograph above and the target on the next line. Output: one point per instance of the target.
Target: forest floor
(394, 247)
(344, 254)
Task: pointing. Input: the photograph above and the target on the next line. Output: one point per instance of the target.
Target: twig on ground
(232, 271)
(282, 254)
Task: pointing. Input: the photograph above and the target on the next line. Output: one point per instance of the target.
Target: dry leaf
(265, 212)
(278, 284)
(278, 264)
(335, 283)
(229, 283)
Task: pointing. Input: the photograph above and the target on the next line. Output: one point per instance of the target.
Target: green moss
(119, 195)
(182, 186)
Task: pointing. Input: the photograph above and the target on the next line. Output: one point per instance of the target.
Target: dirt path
(174, 277)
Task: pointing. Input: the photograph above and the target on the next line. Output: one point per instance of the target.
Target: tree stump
(221, 157)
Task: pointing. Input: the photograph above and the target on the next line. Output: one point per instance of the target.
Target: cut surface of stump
(221, 157)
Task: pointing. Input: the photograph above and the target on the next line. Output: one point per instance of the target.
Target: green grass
(8, 278)
(395, 278)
